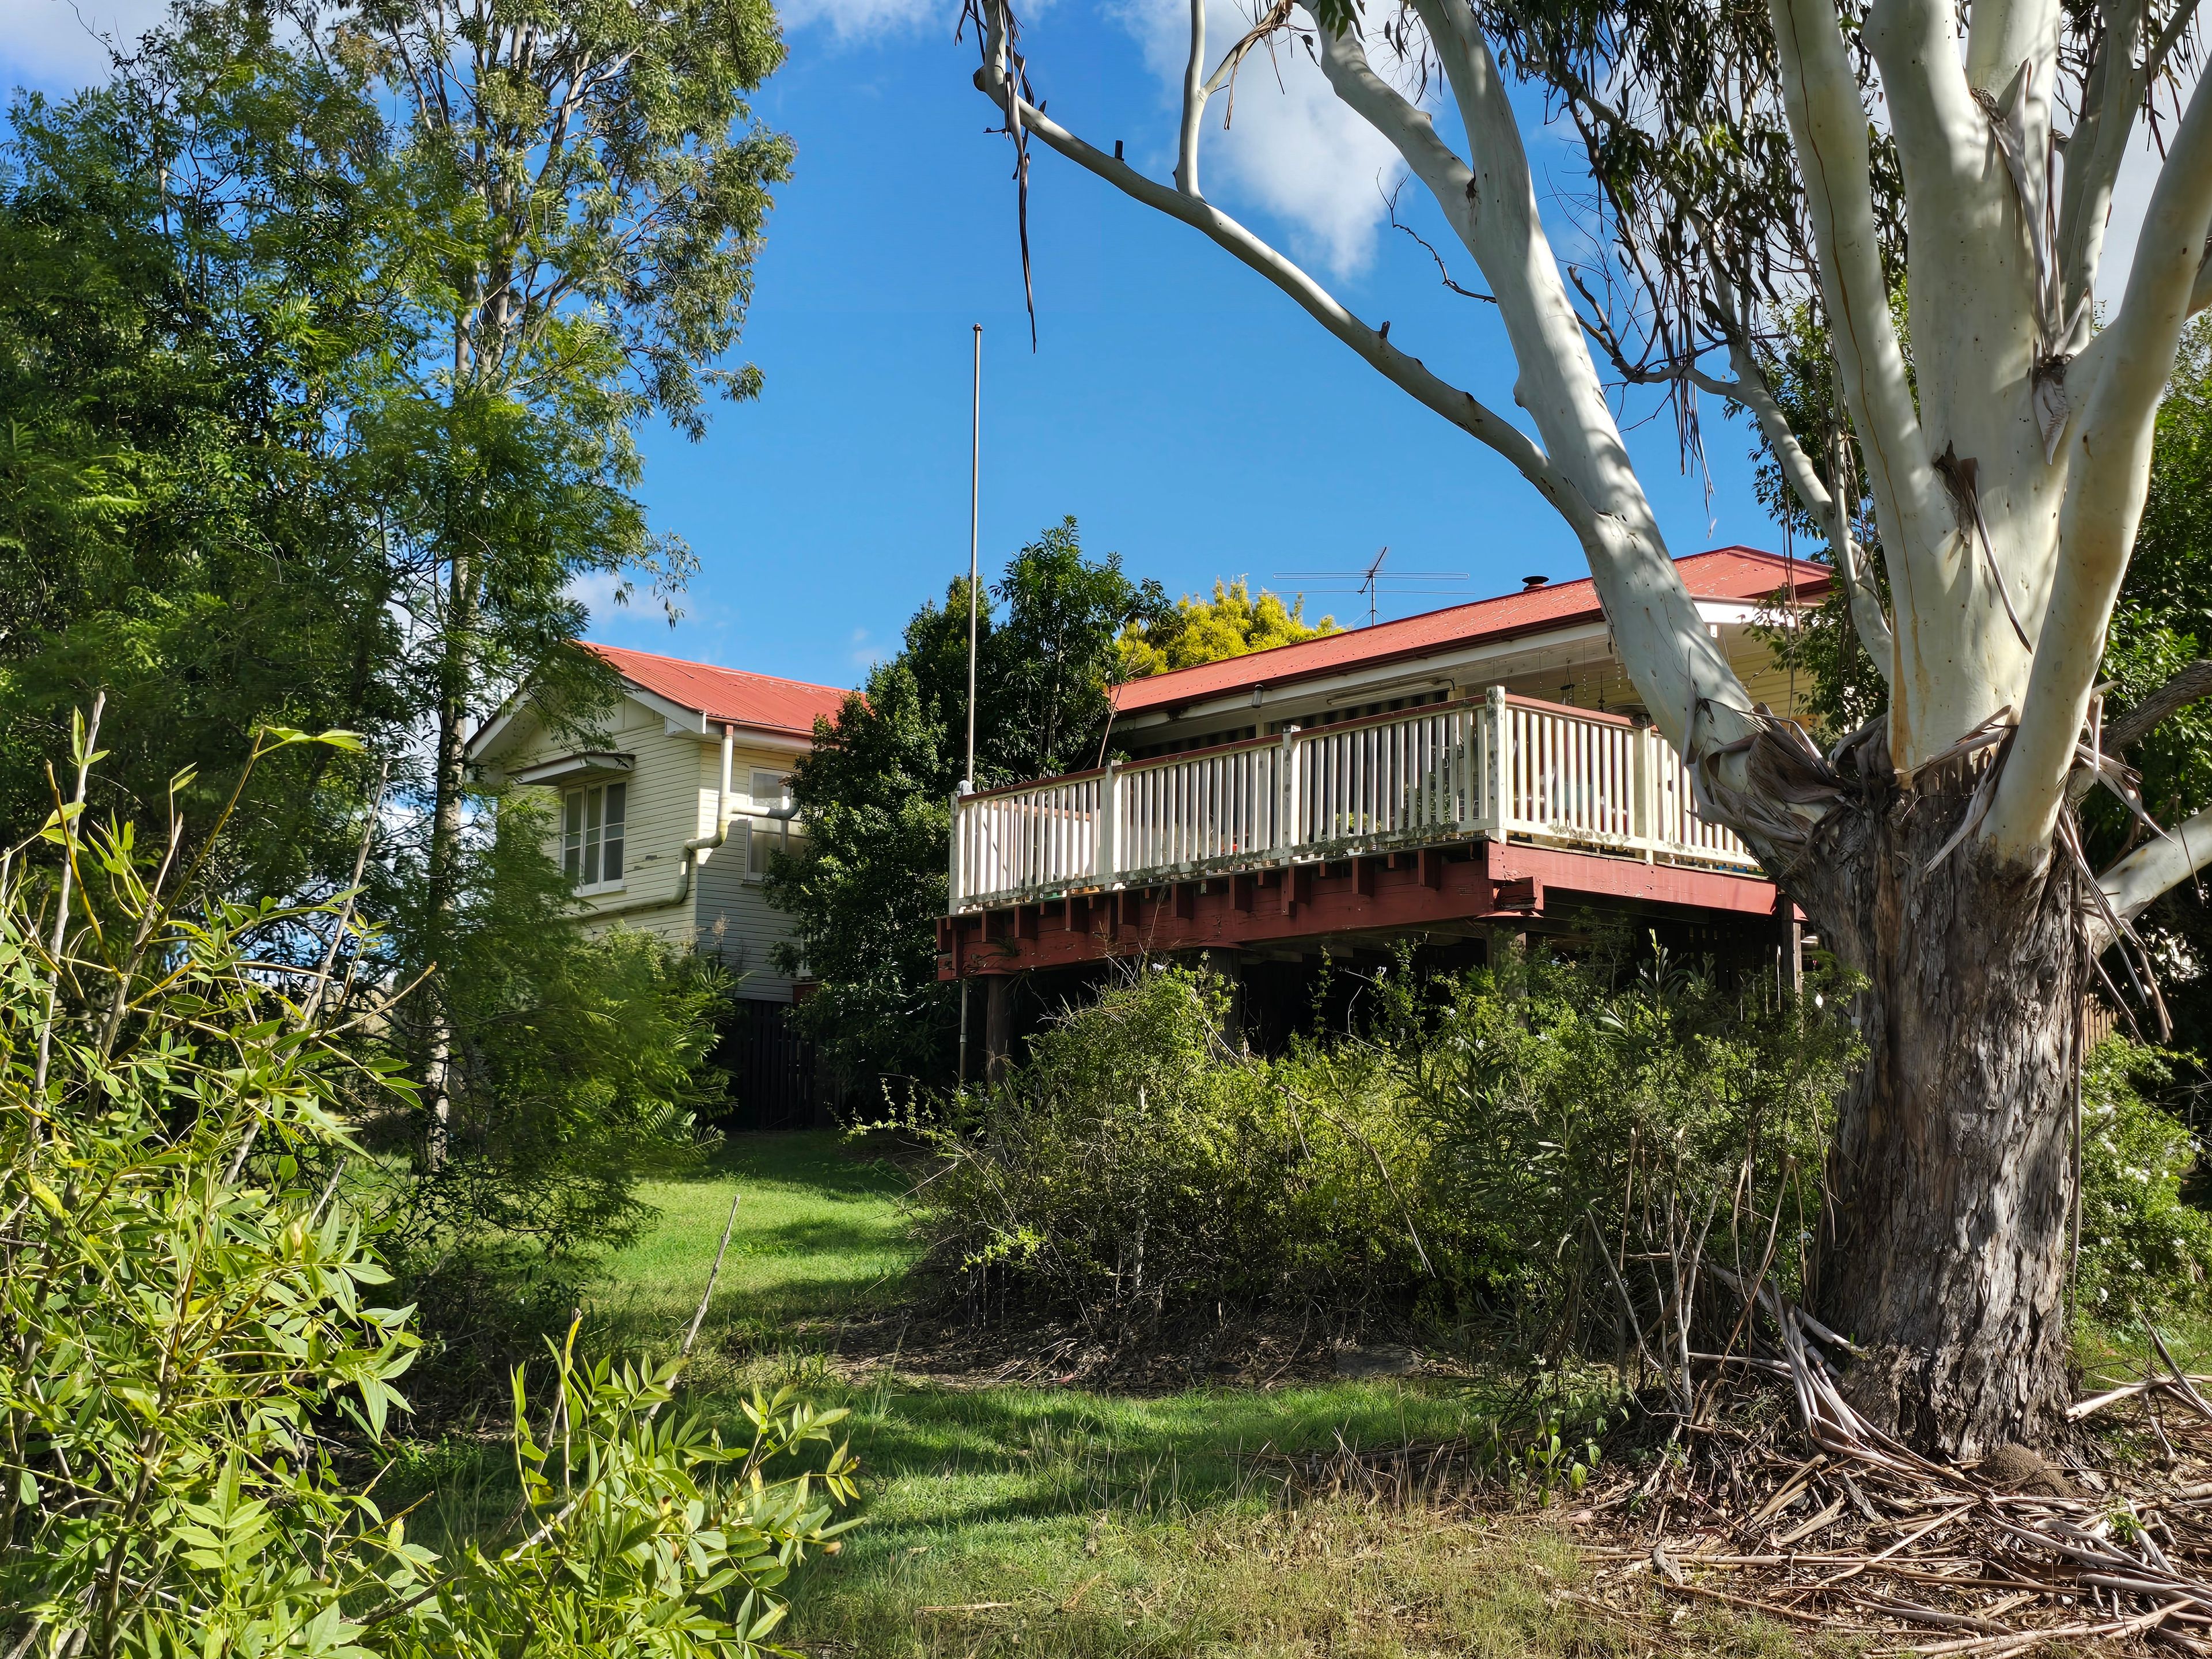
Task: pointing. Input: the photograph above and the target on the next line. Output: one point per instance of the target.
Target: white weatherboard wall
(736, 924)
(671, 796)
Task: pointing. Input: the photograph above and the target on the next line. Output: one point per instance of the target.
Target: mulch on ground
(2108, 1544)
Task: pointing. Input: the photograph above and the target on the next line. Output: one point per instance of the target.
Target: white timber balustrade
(1500, 768)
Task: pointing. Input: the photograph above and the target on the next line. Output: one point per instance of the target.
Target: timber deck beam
(1452, 887)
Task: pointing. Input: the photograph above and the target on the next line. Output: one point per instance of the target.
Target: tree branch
(1195, 94)
(2137, 880)
(2108, 479)
(2110, 96)
(1750, 391)
(1408, 372)
(1941, 134)
(1490, 201)
(2192, 684)
(1828, 130)
(1443, 270)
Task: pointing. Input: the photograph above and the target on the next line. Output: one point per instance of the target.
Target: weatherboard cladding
(1742, 573)
(672, 791)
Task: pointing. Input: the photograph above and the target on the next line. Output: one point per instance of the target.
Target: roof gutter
(692, 849)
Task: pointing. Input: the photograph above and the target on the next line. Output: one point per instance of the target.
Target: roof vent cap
(1529, 584)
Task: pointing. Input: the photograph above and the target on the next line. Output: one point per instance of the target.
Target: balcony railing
(1500, 767)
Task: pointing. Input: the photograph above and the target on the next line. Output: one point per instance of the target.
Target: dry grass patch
(1346, 1581)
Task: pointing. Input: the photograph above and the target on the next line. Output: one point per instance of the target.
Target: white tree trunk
(2007, 456)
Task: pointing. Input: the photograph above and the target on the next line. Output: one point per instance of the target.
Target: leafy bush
(191, 1355)
(1485, 1150)
(578, 1070)
(1136, 1167)
(2145, 1252)
(1582, 1111)
(579, 1066)
(1551, 1148)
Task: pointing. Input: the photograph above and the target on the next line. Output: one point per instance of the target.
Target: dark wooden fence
(773, 1080)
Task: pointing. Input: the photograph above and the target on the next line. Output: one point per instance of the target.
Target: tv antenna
(1369, 580)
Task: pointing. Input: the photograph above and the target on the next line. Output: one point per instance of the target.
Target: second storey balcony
(1500, 768)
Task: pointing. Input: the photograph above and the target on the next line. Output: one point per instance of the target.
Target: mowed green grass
(1023, 1522)
(820, 1234)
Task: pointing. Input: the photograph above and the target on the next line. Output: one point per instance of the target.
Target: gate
(771, 1068)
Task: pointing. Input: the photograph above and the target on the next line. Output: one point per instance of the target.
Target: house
(666, 825)
(1474, 773)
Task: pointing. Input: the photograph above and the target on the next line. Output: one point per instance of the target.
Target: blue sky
(1188, 415)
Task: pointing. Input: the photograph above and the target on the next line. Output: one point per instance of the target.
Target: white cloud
(56, 44)
(855, 19)
(600, 592)
(2131, 200)
(1293, 150)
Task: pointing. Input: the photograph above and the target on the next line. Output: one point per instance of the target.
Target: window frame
(594, 832)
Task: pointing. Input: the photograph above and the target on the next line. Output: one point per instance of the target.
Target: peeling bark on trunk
(1945, 1248)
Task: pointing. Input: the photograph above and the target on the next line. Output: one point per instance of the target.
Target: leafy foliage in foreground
(191, 1358)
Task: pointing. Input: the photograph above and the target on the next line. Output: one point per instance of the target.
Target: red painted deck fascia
(1474, 881)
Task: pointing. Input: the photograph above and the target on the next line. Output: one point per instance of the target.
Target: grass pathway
(1069, 1524)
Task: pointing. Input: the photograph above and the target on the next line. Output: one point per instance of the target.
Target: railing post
(1107, 857)
(1467, 775)
(1496, 780)
(1654, 782)
(1639, 792)
(952, 889)
(1286, 792)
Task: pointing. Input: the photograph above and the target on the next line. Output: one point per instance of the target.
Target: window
(768, 787)
(591, 835)
(756, 861)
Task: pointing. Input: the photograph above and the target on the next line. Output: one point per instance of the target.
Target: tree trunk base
(1944, 1248)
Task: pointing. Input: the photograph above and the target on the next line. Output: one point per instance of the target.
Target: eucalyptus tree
(587, 189)
(565, 201)
(1948, 245)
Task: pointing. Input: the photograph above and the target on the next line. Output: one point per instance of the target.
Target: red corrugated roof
(1725, 573)
(761, 701)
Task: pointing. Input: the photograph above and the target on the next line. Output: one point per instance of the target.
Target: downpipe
(692, 849)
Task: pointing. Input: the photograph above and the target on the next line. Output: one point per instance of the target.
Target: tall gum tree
(1930, 184)
(565, 200)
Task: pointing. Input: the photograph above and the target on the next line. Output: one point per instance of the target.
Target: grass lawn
(1017, 1521)
(819, 1235)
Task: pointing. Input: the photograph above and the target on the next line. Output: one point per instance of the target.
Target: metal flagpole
(974, 503)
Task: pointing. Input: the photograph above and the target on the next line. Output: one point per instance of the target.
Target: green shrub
(578, 1071)
(193, 1355)
(1136, 1167)
(579, 1064)
(2145, 1252)
(1579, 1111)
(1468, 1155)
(1551, 1151)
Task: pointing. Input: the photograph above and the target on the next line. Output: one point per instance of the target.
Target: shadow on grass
(941, 1458)
(824, 1161)
(824, 1236)
(769, 1315)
